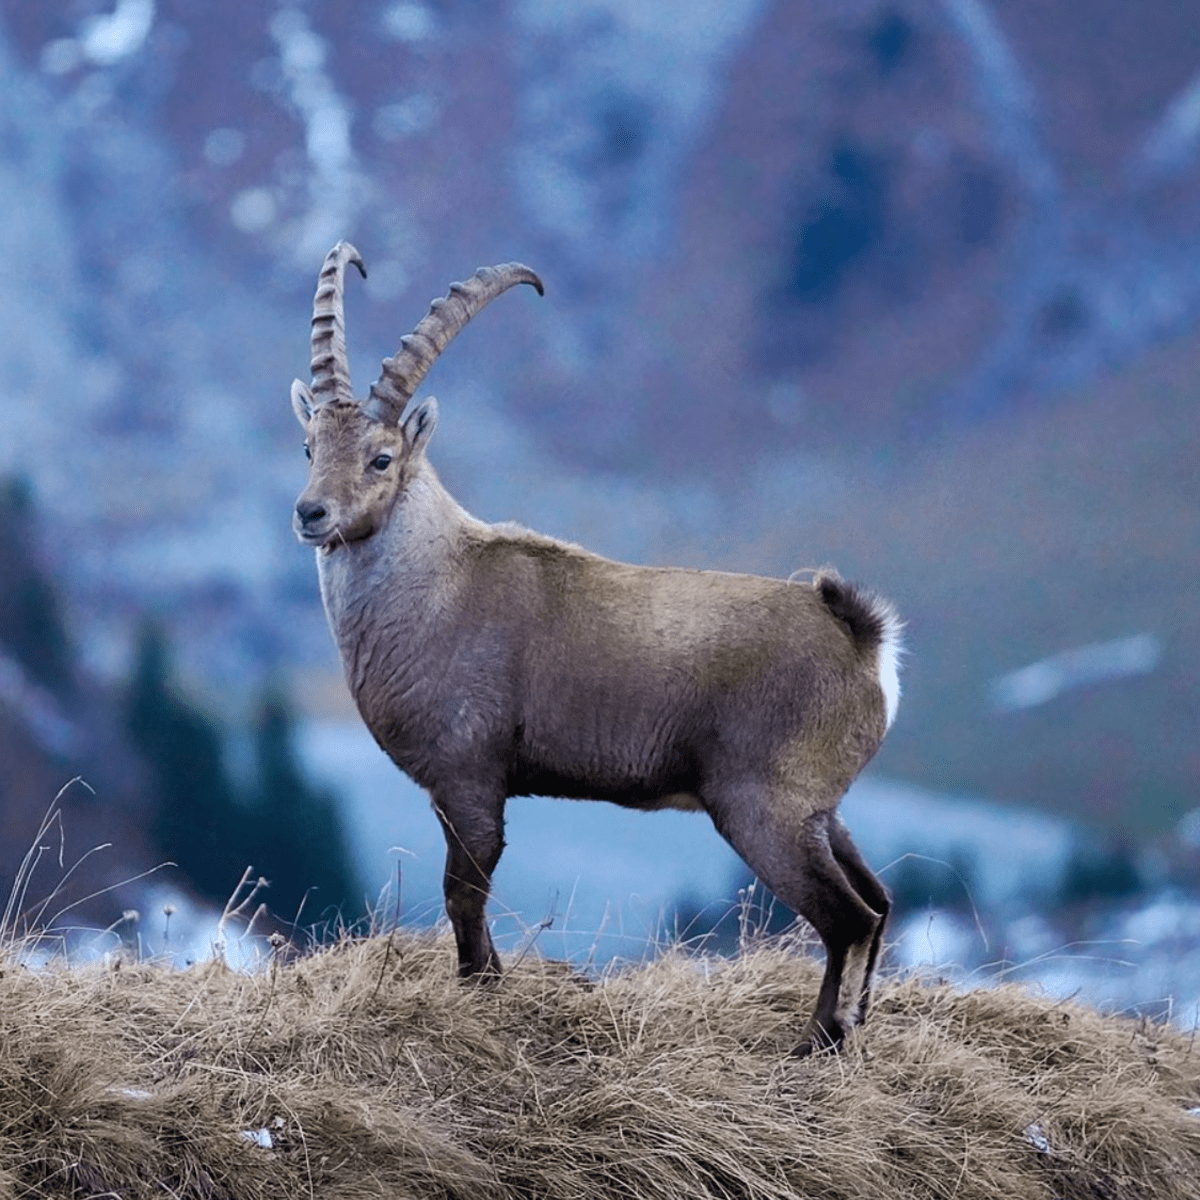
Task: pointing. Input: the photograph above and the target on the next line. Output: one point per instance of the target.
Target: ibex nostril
(308, 513)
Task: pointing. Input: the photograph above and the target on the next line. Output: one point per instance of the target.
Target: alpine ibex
(490, 661)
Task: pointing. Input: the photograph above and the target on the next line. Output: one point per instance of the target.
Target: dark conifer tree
(199, 823)
(32, 628)
(298, 840)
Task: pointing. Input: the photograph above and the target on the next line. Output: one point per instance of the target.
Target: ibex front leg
(474, 829)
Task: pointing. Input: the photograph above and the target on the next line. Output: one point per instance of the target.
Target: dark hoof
(819, 1041)
(480, 976)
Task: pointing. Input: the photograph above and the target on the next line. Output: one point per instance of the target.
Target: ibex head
(365, 453)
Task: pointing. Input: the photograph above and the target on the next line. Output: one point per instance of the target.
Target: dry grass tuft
(367, 1070)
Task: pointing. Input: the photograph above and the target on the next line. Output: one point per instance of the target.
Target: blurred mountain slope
(891, 225)
(826, 282)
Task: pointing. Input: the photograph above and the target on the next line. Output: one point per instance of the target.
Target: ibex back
(489, 661)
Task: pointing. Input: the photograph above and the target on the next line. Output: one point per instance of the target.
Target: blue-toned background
(909, 288)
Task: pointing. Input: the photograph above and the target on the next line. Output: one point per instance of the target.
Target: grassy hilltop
(367, 1070)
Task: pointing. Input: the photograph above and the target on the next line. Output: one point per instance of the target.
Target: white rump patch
(891, 647)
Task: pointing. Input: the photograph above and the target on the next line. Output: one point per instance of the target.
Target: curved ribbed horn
(330, 366)
(419, 350)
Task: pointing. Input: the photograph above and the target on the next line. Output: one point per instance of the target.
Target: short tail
(870, 618)
(873, 623)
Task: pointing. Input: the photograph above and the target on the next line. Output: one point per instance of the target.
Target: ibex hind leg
(798, 862)
(474, 841)
(866, 883)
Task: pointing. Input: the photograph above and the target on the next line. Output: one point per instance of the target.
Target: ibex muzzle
(489, 661)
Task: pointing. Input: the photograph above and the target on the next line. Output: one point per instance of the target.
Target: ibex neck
(426, 521)
(365, 584)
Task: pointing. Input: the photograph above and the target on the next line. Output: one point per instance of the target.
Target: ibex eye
(382, 462)
(307, 452)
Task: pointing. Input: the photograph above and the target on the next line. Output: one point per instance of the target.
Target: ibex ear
(419, 425)
(302, 402)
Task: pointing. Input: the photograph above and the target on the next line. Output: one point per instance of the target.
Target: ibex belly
(604, 739)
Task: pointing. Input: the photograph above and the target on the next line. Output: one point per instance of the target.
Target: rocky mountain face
(908, 215)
